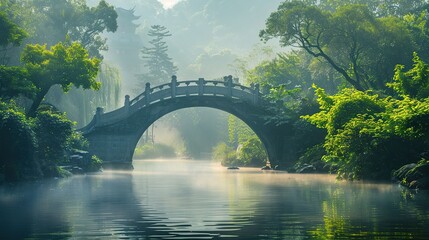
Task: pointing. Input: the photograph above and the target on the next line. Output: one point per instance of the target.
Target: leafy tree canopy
(361, 47)
(11, 33)
(73, 18)
(414, 82)
(62, 64)
(369, 136)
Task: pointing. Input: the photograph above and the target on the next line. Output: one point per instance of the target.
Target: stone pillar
(98, 113)
(200, 86)
(127, 103)
(229, 85)
(173, 86)
(147, 94)
(256, 94)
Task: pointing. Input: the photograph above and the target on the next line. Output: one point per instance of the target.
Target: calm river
(188, 199)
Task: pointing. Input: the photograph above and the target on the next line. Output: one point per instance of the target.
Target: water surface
(189, 199)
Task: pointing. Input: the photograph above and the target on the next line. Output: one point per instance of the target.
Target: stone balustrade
(175, 89)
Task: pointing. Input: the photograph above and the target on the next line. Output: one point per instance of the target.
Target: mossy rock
(401, 173)
(415, 176)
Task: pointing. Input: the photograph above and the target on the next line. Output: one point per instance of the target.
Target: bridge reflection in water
(113, 136)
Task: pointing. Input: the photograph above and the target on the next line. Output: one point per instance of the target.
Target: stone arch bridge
(113, 136)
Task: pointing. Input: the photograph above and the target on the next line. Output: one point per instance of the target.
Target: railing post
(200, 86)
(127, 103)
(147, 94)
(256, 94)
(98, 114)
(229, 85)
(173, 86)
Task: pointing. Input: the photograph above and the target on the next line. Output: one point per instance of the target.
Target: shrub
(18, 144)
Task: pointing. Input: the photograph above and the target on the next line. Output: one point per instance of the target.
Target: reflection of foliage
(335, 224)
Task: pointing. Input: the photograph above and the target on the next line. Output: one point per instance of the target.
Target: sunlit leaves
(14, 82)
(414, 82)
(62, 64)
(352, 40)
(369, 136)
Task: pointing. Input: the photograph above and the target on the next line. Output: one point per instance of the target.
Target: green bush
(53, 131)
(157, 150)
(252, 153)
(94, 164)
(225, 154)
(368, 136)
(18, 144)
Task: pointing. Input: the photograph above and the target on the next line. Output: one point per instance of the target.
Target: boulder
(414, 176)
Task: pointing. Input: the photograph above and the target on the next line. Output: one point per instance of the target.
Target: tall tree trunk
(36, 102)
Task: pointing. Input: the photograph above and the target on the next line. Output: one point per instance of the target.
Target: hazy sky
(169, 3)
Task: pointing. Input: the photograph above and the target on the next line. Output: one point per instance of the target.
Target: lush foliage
(34, 147)
(352, 40)
(62, 64)
(36, 143)
(57, 20)
(53, 131)
(414, 82)
(14, 82)
(252, 153)
(18, 144)
(11, 32)
(369, 136)
(225, 154)
(156, 150)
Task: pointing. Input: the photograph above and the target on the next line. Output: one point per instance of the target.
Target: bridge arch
(113, 136)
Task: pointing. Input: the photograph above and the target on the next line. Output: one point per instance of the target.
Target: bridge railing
(173, 89)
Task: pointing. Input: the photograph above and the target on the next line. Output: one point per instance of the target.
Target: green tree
(62, 64)
(361, 47)
(18, 144)
(159, 65)
(11, 33)
(414, 82)
(14, 82)
(252, 153)
(53, 131)
(73, 19)
(368, 136)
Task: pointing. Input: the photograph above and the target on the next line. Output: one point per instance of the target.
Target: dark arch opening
(199, 129)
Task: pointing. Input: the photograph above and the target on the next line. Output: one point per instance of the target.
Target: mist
(208, 39)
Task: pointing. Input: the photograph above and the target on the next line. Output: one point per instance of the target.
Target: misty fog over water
(194, 199)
